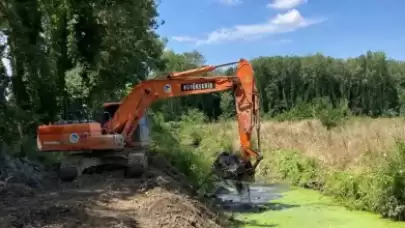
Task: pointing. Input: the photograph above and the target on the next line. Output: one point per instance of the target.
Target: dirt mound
(106, 199)
(166, 209)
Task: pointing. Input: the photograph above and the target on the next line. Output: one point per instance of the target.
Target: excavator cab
(109, 110)
(141, 136)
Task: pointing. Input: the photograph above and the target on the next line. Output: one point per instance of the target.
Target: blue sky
(226, 30)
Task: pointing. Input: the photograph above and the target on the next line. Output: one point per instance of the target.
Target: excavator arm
(132, 108)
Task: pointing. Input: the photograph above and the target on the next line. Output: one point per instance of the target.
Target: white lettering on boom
(197, 86)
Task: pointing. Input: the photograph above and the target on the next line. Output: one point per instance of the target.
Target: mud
(107, 199)
(258, 200)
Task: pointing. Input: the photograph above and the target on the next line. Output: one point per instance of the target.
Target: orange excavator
(122, 136)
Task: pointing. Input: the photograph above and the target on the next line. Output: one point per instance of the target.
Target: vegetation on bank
(359, 162)
(378, 188)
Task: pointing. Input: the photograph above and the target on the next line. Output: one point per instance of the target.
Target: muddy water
(259, 198)
(283, 207)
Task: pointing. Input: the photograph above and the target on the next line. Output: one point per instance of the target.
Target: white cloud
(184, 39)
(285, 4)
(231, 2)
(281, 23)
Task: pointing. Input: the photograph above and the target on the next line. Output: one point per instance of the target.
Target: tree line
(370, 84)
(66, 53)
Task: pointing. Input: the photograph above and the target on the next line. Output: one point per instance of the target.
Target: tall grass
(360, 161)
(347, 146)
(178, 144)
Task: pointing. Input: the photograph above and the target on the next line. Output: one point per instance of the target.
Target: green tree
(65, 53)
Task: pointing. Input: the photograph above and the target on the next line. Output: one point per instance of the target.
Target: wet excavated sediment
(260, 197)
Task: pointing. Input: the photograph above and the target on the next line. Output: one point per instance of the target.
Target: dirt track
(106, 200)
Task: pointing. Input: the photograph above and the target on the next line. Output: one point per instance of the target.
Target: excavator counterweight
(122, 135)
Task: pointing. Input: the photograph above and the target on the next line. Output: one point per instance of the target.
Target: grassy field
(347, 146)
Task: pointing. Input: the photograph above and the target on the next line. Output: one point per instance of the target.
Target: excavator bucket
(230, 171)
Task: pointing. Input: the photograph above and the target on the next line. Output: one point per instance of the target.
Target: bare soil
(106, 199)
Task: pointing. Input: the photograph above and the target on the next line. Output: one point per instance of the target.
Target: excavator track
(137, 164)
(70, 168)
(73, 165)
(134, 162)
(68, 173)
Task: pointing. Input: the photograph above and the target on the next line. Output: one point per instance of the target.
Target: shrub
(321, 108)
(167, 138)
(330, 118)
(391, 183)
(301, 171)
(380, 189)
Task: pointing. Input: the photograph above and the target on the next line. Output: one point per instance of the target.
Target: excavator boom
(145, 93)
